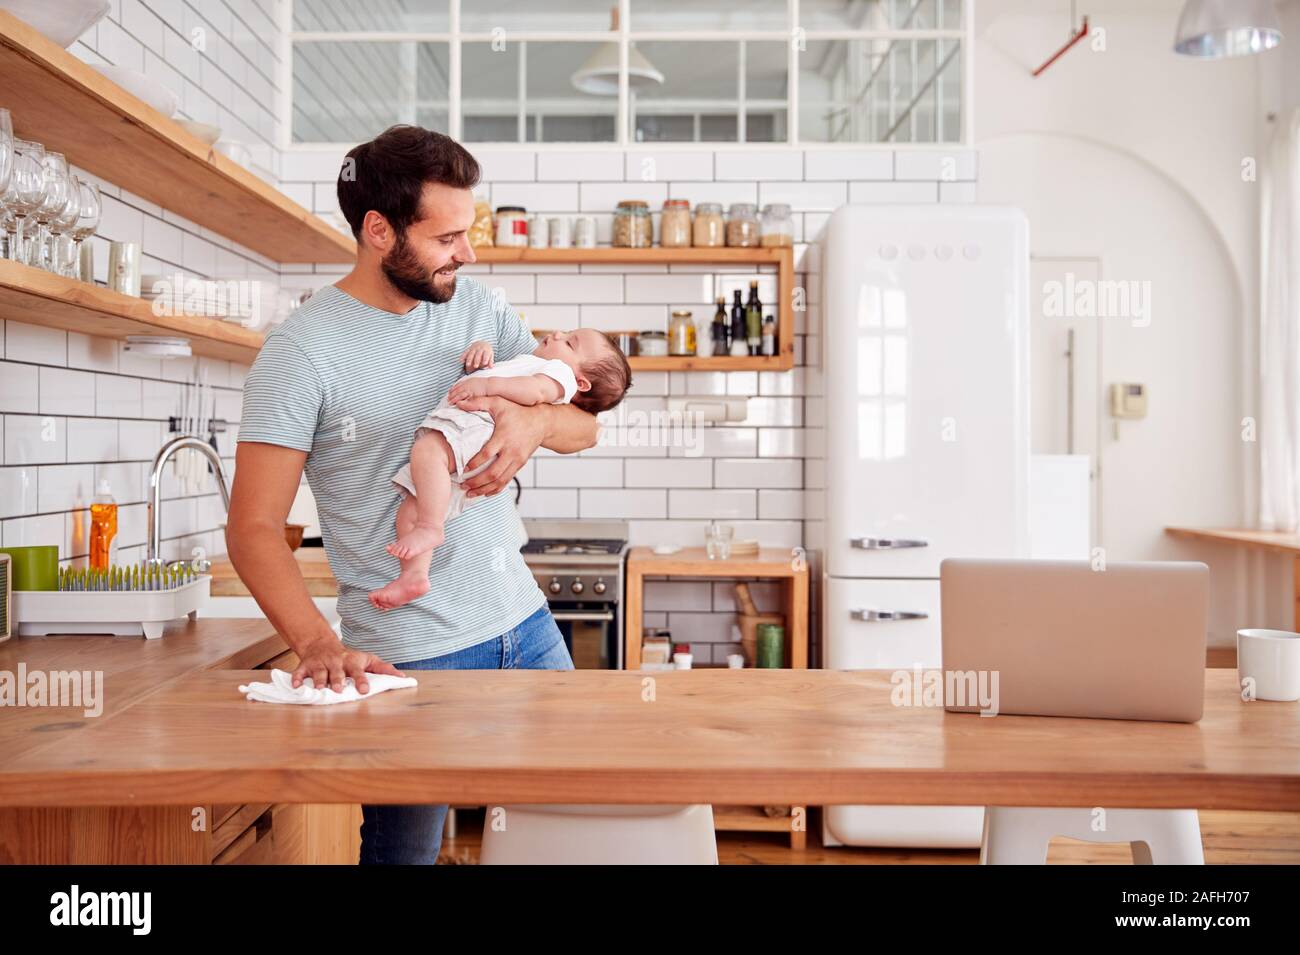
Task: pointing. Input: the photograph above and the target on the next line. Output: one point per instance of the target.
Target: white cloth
(1279, 336)
(467, 431)
(282, 690)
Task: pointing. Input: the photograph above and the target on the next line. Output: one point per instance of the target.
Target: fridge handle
(886, 543)
(879, 616)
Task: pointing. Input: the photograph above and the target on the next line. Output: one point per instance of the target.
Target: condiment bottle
(769, 335)
(754, 320)
(738, 346)
(103, 527)
(720, 328)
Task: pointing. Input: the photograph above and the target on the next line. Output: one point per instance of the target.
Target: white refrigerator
(926, 361)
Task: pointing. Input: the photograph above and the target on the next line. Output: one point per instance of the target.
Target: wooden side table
(770, 564)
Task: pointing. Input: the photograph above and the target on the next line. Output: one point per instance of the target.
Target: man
(339, 389)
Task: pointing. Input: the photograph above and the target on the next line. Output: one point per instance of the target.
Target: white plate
(204, 131)
(59, 20)
(143, 87)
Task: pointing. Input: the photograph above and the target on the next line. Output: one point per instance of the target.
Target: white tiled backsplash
(107, 411)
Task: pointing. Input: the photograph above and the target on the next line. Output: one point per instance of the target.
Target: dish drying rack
(123, 601)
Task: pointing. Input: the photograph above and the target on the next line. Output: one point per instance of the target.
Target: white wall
(1134, 154)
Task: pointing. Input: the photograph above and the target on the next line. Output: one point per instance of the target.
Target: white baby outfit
(467, 431)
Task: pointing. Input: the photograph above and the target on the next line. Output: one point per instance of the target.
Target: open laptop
(1126, 643)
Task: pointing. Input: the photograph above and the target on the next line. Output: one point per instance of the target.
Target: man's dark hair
(388, 174)
(610, 376)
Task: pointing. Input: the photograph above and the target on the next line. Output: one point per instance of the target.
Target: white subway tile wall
(74, 408)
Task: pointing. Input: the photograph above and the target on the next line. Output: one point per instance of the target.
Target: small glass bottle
(738, 345)
(769, 336)
(754, 320)
(721, 329)
(681, 333)
(103, 527)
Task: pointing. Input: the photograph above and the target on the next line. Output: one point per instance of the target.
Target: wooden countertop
(311, 561)
(695, 562)
(1279, 542)
(133, 668)
(721, 736)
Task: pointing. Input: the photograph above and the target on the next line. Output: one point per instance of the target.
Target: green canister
(770, 646)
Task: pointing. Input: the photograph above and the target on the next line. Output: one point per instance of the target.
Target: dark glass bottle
(754, 320)
(737, 321)
(721, 337)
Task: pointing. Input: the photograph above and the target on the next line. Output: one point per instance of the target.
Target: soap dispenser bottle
(103, 527)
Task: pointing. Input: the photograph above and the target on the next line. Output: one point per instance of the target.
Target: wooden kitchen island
(124, 786)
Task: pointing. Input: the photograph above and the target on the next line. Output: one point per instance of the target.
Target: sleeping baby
(584, 367)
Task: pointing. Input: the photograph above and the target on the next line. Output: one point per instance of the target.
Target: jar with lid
(681, 333)
(652, 344)
(512, 227)
(742, 225)
(777, 226)
(632, 227)
(708, 230)
(675, 224)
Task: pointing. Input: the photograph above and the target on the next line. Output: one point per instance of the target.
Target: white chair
(1019, 835)
(599, 835)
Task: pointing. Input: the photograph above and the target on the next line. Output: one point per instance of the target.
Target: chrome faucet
(155, 487)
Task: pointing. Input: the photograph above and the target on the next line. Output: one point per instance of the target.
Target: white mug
(682, 661)
(1270, 660)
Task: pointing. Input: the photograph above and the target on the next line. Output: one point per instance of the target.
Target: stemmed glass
(6, 160)
(25, 193)
(60, 224)
(57, 184)
(89, 207)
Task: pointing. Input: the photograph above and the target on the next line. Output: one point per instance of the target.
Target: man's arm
(266, 480)
(520, 431)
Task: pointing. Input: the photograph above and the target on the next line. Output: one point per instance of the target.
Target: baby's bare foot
(417, 540)
(401, 591)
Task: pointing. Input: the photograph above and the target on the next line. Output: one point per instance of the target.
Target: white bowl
(204, 131)
(59, 20)
(1270, 661)
(143, 87)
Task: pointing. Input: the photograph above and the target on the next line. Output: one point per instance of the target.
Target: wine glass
(25, 192)
(6, 149)
(89, 207)
(57, 184)
(60, 223)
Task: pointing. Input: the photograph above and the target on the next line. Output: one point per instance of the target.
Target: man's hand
(519, 431)
(329, 663)
(476, 356)
(470, 388)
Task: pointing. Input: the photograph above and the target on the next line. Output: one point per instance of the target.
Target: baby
(584, 367)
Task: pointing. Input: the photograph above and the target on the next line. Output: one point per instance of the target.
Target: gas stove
(579, 567)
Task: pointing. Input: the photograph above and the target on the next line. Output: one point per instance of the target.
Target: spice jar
(708, 230)
(681, 333)
(632, 228)
(652, 344)
(742, 225)
(777, 226)
(675, 224)
(512, 227)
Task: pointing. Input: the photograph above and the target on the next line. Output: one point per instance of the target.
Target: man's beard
(411, 278)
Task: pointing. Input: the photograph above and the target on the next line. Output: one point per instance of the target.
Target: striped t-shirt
(349, 384)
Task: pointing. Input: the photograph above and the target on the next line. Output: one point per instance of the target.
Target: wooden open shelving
(42, 298)
(782, 257)
(57, 100)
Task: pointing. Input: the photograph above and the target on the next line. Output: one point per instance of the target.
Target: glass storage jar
(777, 225)
(632, 227)
(675, 224)
(652, 343)
(742, 225)
(681, 333)
(708, 230)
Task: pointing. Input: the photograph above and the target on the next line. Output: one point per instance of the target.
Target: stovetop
(570, 546)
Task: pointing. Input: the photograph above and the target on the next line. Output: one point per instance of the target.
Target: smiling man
(338, 391)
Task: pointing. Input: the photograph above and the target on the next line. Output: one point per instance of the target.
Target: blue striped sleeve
(513, 337)
(283, 396)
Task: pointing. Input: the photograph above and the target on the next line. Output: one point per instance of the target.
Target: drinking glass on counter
(717, 540)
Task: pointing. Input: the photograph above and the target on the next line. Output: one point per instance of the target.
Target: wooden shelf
(68, 106)
(42, 298)
(781, 257)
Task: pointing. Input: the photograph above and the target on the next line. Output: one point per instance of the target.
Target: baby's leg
(432, 462)
(414, 579)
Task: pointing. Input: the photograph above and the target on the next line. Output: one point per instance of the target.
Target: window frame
(624, 36)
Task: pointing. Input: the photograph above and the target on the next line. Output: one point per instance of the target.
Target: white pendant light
(1212, 29)
(599, 75)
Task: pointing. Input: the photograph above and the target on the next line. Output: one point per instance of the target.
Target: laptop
(1063, 639)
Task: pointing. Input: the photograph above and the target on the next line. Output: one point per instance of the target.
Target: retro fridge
(925, 328)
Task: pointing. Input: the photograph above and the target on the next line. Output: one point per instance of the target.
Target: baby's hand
(477, 355)
(468, 388)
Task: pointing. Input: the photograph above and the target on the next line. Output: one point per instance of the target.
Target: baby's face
(575, 348)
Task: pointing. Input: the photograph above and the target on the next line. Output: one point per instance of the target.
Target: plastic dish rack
(125, 613)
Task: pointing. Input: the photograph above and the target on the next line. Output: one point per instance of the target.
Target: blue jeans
(412, 835)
